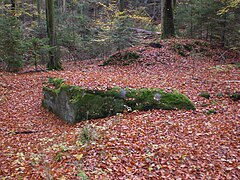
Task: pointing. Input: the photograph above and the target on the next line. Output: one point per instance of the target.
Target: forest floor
(156, 144)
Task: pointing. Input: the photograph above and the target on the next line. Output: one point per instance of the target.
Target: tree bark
(13, 5)
(64, 6)
(224, 26)
(13, 8)
(54, 59)
(39, 10)
(121, 5)
(167, 24)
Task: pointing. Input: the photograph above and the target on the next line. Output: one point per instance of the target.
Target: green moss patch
(74, 103)
(56, 82)
(210, 111)
(235, 96)
(205, 95)
(122, 58)
(185, 49)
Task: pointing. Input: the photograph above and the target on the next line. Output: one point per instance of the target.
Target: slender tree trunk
(223, 38)
(1, 5)
(207, 33)
(64, 6)
(210, 33)
(39, 10)
(167, 24)
(154, 9)
(121, 5)
(191, 22)
(174, 3)
(224, 26)
(13, 8)
(54, 59)
(32, 10)
(13, 5)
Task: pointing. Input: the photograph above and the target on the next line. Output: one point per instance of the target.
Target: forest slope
(138, 145)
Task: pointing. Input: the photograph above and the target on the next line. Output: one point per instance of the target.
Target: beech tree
(54, 58)
(167, 25)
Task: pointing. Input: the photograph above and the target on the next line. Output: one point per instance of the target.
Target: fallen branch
(26, 132)
(233, 81)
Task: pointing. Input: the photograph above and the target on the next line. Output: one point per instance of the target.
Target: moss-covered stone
(74, 103)
(146, 99)
(186, 49)
(122, 58)
(56, 81)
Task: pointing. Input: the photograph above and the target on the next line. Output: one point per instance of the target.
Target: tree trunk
(54, 59)
(167, 24)
(39, 10)
(224, 26)
(121, 5)
(1, 9)
(64, 6)
(32, 10)
(13, 8)
(13, 5)
(191, 22)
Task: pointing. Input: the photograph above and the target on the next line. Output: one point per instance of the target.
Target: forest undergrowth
(157, 144)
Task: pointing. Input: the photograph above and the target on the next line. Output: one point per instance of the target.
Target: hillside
(156, 144)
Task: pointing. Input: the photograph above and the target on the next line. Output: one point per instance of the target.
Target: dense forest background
(87, 29)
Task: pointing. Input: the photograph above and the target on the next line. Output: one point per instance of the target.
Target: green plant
(75, 33)
(82, 175)
(235, 96)
(210, 111)
(205, 95)
(123, 58)
(121, 35)
(35, 158)
(213, 102)
(58, 157)
(220, 26)
(205, 105)
(237, 64)
(56, 81)
(11, 43)
(87, 134)
(36, 49)
(63, 148)
(219, 94)
(179, 49)
(131, 55)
